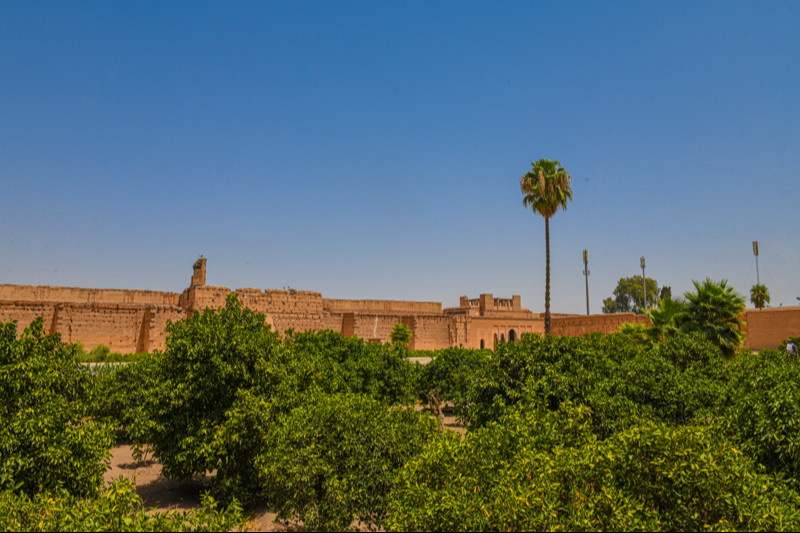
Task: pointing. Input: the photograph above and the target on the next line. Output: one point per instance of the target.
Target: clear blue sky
(373, 149)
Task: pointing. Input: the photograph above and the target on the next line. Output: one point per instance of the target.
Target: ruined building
(134, 320)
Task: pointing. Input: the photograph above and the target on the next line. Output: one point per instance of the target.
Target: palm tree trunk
(547, 277)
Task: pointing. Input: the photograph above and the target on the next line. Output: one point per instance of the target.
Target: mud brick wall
(201, 297)
(46, 293)
(157, 323)
(26, 312)
(118, 327)
(769, 327)
(575, 326)
(375, 327)
(382, 307)
(430, 332)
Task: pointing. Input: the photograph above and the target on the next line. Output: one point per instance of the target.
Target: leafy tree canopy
(629, 296)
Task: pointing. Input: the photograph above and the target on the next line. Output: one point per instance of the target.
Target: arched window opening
(512, 336)
(482, 345)
(502, 337)
(495, 339)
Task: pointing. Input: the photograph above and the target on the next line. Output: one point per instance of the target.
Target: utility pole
(586, 275)
(755, 253)
(644, 282)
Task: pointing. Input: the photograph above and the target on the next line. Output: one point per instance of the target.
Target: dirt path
(170, 495)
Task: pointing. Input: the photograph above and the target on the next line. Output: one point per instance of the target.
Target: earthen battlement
(135, 320)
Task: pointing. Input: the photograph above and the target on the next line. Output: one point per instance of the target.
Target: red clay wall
(768, 328)
(575, 326)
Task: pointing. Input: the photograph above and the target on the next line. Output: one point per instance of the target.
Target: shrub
(401, 335)
(450, 374)
(47, 443)
(330, 362)
(332, 461)
(763, 415)
(118, 508)
(208, 359)
(543, 470)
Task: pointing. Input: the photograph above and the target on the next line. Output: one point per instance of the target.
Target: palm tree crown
(545, 189)
(759, 295)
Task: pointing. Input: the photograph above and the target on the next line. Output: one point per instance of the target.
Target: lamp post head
(641, 261)
(755, 248)
(585, 256)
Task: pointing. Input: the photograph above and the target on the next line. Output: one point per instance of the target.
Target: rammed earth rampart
(135, 320)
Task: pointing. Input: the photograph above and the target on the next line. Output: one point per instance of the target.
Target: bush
(763, 415)
(543, 470)
(450, 374)
(47, 443)
(118, 508)
(122, 394)
(208, 359)
(333, 460)
(329, 362)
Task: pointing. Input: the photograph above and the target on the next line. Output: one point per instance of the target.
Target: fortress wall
(382, 307)
(575, 326)
(375, 327)
(158, 323)
(46, 293)
(304, 322)
(429, 332)
(201, 297)
(769, 327)
(118, 327)
(26, 312)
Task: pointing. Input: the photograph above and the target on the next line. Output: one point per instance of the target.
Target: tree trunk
(547, 278)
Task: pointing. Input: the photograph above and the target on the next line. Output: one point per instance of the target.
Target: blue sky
(373, 149)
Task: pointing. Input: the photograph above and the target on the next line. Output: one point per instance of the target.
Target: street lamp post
(644, 282)
(586, 275)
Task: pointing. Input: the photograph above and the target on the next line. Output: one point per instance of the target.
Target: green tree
(759, 295)
(629, 297)
(545, 189)
(401, 335)
(714, 311)
(47, 441)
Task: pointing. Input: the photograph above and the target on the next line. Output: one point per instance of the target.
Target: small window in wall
(482, 345)
(502, 337)
(512, 336)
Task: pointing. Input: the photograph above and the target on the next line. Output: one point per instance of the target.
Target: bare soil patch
(166, 494)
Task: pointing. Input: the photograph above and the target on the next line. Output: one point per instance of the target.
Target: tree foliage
(629, 296)
(47, 443)
(332, 461)
(117, 508)
(545, 470)
(714, 310)
(401, 335)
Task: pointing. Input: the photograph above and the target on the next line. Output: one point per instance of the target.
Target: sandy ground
(168, 495)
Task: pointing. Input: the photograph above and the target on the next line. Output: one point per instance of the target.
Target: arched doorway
(512, 336)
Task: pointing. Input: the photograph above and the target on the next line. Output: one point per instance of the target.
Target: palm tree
(759, 295)
(665, 319)
(545, 189)
(715, 310)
